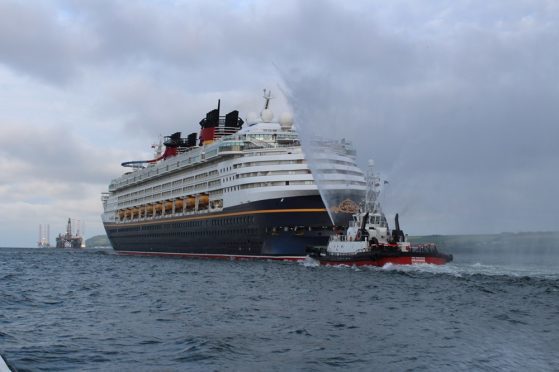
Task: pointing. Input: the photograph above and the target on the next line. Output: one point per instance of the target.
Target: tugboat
(369, 242)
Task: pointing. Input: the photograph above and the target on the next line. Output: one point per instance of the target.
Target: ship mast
(267, 97)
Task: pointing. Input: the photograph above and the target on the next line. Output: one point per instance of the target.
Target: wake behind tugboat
(369, 242)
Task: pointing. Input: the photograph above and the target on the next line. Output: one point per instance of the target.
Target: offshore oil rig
(69, 240)
(44, 237)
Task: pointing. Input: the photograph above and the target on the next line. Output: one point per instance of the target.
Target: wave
(462, 270)
(456, 269)
(310, 262)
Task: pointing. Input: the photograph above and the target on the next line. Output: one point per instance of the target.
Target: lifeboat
(178, 204)
(203, 199)
(121, 214)
(149, 210)
(168, 206)
(190, 202)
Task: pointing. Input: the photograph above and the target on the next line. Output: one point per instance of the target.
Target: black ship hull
(276, 229)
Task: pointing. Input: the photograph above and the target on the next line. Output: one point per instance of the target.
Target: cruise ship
(237, 189)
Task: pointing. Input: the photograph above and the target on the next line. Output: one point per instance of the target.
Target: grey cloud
(479, 111)
(54, 153)
(188, 35)
(35, 42)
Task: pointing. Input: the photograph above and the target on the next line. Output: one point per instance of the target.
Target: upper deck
(231, 145)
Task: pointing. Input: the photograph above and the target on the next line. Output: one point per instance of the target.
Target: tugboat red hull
(381, 257)
(381, 261)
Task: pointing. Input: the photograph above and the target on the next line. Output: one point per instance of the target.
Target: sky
(456, 101)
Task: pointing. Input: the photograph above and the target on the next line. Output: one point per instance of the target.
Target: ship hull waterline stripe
(218, 215)
(214, 256)
(380, 262)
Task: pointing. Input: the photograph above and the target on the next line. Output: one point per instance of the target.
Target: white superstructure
(264, 160)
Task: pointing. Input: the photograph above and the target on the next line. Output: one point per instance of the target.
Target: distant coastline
(505, 242)
(98, 241)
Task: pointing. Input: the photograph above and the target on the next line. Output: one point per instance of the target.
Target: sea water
(97, 311)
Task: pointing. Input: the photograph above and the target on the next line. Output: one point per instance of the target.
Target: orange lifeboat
(190, 201)
(203, 199)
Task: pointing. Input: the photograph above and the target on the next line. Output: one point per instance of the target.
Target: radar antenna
(267, 97)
